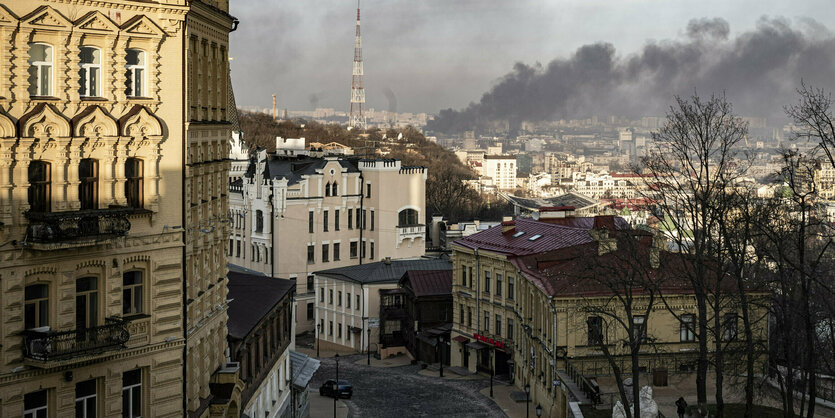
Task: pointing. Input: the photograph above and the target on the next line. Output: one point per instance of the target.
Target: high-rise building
(113, 145)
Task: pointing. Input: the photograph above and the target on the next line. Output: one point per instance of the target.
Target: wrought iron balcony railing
(62, 345)
(51, 227)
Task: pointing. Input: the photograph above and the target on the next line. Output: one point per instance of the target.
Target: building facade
(293, 214)
(502, 168)
(112, 166)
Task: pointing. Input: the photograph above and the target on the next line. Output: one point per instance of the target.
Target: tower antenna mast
(356, 117)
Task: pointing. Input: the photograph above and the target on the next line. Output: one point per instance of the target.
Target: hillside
(446, 193)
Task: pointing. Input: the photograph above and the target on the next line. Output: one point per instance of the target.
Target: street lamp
(336, 395)
(538, 410)
(368, 343)
(492, 369)
(527, 399)
(441, 352)
(318, 338)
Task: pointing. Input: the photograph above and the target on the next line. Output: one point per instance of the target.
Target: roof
(380, 272)
(499, 157)
(512, 243)
(254, 296)
(428, 282)
(294, 168)
(577, 200)
(302, 368)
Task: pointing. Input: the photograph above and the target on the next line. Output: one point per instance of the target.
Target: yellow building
(523, 308)
(113, 138)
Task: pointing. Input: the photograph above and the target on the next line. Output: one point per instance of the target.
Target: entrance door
(466, 356)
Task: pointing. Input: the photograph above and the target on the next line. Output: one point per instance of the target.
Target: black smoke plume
(758, 71)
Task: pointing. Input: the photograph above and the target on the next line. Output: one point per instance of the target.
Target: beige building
(112, 249)
(293, 214)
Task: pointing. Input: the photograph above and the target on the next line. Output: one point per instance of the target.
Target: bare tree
(694, 167)
(813, 117)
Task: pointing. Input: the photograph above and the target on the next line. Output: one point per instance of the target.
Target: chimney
(387, 260)
(508, 227)
(603, 225)
(273, 106)
(659, 243)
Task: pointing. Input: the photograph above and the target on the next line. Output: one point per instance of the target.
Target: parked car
(329, 388)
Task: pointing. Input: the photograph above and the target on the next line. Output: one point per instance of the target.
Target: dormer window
(535, 237)
(90, 72)
(518, 234)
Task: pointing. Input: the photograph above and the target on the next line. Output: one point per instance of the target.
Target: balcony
(57, 347)
(49, 230)
(410, 232)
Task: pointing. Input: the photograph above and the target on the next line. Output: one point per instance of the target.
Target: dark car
(329, 388)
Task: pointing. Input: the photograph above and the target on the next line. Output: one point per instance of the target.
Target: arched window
(88, 189)
(259, 221)
(334, 189)
(135, 74)
(40, 186)
(328, 189)
(36, 310)
(40, 69)
(407, 217)
(134, 182)
(90, 72)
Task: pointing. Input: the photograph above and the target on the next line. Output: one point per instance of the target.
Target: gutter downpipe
(554, 346)
(477, 291)
(361, 223)
(183, 145)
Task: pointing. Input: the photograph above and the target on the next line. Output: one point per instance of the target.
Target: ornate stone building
(113, 139)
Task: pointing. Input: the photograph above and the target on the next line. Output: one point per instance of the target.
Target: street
(402, 392)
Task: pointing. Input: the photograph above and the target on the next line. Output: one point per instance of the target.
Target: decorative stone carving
(94, 122)
(142, 26)
(96, 22)
(7, 128)
(139, 122)
(46, 16)
(44, 121)
(649, 409)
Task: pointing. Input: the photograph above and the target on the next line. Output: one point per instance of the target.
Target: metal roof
(254, 296)
(385, 272)
(428, 282)
(302, 368)
(552, 237)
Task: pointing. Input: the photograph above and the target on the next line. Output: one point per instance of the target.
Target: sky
(428, 55)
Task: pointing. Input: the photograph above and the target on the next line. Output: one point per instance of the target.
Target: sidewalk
(502, 397)
(322, 406)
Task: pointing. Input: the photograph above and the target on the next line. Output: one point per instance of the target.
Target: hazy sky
(435, 54)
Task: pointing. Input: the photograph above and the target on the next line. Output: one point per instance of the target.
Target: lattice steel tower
(356, 117)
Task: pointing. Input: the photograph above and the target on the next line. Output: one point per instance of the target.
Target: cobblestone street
(402, 392)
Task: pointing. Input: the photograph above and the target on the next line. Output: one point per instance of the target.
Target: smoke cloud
(757, 70)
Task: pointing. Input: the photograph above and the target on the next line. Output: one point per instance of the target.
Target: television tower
(356, 119)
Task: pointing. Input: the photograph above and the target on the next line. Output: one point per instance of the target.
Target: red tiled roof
(551, 237)
(429, 282)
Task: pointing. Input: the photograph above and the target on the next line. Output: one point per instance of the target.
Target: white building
(502, 168)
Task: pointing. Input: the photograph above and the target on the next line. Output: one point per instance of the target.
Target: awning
(460, 339)
(477, 345)
(302, 368)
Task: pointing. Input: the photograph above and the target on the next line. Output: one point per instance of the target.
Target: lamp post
(492, 369)
(368, 343)
(527, 400)
(441, 348)
(538, 410)
(318, 338)
(336, 395)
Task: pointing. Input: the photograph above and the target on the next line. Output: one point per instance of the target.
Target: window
(330, 328)
(35, 404)
(509, 329)
(595, 330)
(321, 326)
(335, 251)
(339, 298)
(498, 325)
(40, 186)
(237, 248)
(407, 217)
(325, 253)
(330, 296)
(461, 314)
(368, 190)
(639, 328)
(327, 190)
(334, 189)
(88, 189)
(486, 282)
(348, 301)
(486, 321)
(135, 74)
(325, 221)
(687, 331)
(365, 219)
(729, 327)
(40, 69)
(372, 250)
(463, 276)
(231, 247)
(322, 295)
(470, 269)
(372, 222)
(357, 306)
(310, 222)
(510, 290)
(362, 251)
(336, 220)
(311, 258)
(132, 394)
(310, 311)
(498, 284)
(85, 399)
(350, 218)
(86, 303)
(310, 283)
(353, 249)
(134, 182)
(89, 75)
(469, 317)
(359, 219)
(259, 221)
(132, 293)
(36, 310)
(339, 330)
